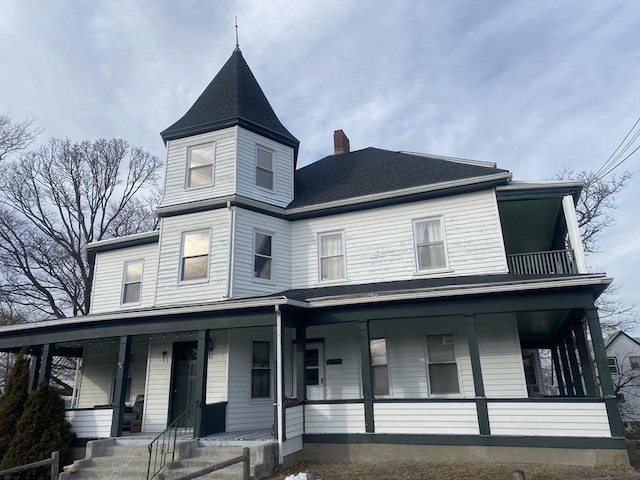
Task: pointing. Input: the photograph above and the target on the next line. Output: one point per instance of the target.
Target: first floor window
(262, 256)
(264, 168)
(132, 282)
(429, 244)
(379, 366)
(613, 365)
(195, 256)
(260, 369)
(443, 369)
(635, 362)
(200, 169)
(331, 249)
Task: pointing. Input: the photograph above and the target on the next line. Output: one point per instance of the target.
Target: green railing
(164, 444)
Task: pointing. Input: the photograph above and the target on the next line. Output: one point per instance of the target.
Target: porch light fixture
(164, 356)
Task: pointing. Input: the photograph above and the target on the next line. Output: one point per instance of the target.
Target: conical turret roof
(232, 98)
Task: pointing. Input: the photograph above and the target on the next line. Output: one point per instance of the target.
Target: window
(613, 365)
(331, 248)
(635, 362)
(379, 366)
(262, 255)
(195, 256)
(264, 168)
(260, 370)
(443, 369)
(429, 243)
(132, 282)
(530, 376)
(200, 171)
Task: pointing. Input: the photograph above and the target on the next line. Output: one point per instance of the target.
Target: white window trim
(124, 283)
(188, 166)
(253, 399)
(344, 257)
(253, 257)
(427, 271)
(273, 168)
(181, 258)
(456, 352)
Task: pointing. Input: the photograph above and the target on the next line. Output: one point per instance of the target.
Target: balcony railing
(556, 261)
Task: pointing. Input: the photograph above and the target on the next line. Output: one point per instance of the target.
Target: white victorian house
(373, 299)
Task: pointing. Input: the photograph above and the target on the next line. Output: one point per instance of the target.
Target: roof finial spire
(237, 44)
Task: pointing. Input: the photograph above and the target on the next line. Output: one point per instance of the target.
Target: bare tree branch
(15, 136)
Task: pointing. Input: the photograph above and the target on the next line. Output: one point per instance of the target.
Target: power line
(610, 165)
(619, 163)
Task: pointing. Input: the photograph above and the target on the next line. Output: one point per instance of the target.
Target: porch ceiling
(540, 327)
(532, 225)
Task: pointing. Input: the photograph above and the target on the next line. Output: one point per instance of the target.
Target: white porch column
(574, 233)
(279, 383)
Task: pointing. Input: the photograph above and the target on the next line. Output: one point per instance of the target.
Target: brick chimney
(340, 142)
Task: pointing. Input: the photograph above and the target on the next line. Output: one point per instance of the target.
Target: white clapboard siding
(217, 367)
(563, 419)
(342, 381)
(175, 191)
(294, 421)
(282, 193)
(379, 242)
(500, 356)
(170, 290)
(109, 277)
(426, 418)
(244, 283)
(243, 412)
(336, 418)
(138, 370)
(156, 401)
(90, 423)
(98, 369)
(291, 446)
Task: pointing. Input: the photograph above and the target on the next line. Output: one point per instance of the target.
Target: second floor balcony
(543, 263)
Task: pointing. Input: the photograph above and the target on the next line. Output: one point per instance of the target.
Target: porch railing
(164, 444)
(553, 262)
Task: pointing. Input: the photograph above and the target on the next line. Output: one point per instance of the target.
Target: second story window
(264, 168)
(634, 362)
(200, 166)
(132, 282)
(331, 253)
(195, 255)
(262, 255)
(428, 237)
(613, 365)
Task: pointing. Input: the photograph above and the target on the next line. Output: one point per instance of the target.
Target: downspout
(232, 227)
(279, 386)
(573, 231)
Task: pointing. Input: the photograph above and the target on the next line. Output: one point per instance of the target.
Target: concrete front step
(114, 459)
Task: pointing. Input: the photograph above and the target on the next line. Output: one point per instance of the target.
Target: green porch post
(45, 363)
(122, 373)
(301, 350)
(604, 374)
(34, 369)
(573, 362)
(558, 370)
(476, 369)
(585, 359)
(367, 379)
(200, 393)
(565, 369)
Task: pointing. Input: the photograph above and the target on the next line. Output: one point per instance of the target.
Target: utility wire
(610, 165)
(619, 163)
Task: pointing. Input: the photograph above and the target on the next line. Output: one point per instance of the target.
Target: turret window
(132, 282)
(195, 256)
(262, 258)
(264, 168)
(200, 170)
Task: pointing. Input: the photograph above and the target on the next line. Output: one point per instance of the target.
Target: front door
(183, 379)
(314, 361)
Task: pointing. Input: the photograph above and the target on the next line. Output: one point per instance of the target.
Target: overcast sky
(534, 86)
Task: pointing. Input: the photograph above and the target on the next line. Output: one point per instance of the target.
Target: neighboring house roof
(609, 341)
(232, 98)
(372, 171)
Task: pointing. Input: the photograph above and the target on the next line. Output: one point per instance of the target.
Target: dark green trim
(483, 416)
(476, 368)
(44, 373)
(200, 393)
(301, 348)
(561, 399)
(122, 372)
(564, 361)
(34, 370)
(573, 362)
(367, 377)
(542, 193)
(585, 359)
(467, 440)
(615, 419)
(556, 367)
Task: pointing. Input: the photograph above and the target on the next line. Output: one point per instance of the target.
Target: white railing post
(573, 231)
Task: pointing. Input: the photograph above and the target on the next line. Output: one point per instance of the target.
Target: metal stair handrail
(165, 443)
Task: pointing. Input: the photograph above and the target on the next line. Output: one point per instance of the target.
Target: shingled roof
(374, 171)
(232, 98)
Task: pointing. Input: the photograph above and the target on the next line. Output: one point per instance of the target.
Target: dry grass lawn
(453, 471)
